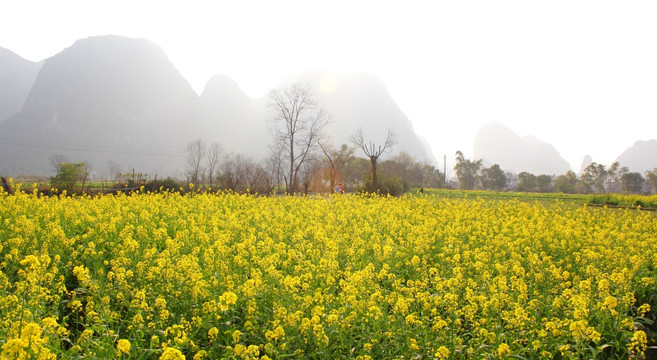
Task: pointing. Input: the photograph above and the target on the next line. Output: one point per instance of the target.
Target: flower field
(170, 276)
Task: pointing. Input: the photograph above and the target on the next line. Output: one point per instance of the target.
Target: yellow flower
(643, 309)
(610, 302)
(212, 333)
(503, 349)
(160, 304)
(236, 336)
(122, 347)
(442, 353)
(415, 261)
(82, 273)
(172, 354)
(639, 343)
(14, 348)
(413, 345)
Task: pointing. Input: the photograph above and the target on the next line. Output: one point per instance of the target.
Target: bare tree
(307, 172)
(299, 123)
(241, 174)
(337, 159)
(115, 170)
(196, 151)
(373, 151)
(229, 173)
(56, 160)
(86, 170)
(212, 160)
(275, 164)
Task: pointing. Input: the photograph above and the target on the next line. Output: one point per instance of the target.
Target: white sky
(580, 75)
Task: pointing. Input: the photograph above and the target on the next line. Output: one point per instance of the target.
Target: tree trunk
(332, 180)
(292, 179)
(6, 186)
(375, 186)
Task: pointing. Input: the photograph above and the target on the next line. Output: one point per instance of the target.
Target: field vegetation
(199, 275)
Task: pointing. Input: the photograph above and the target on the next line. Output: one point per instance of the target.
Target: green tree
(526, 182)
(651, 178)
(494, 178)
(69, 175)
(543, 183)
(632, 182)
(567, 183)
(595, 176)
(355, 173)
(466, 171)
(432, 177)
(614, 175)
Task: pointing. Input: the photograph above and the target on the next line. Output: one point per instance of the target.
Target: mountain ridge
(17, 76)
(107, 94)
(496, 143)
(111, 99)
(640, 157)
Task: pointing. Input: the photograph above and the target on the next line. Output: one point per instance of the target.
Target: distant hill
(17, 76)
(112, 99)
(104, 99)
(640, 157)
(585, 163)
(361, 100)
(236, 121)
(495, 143)
(354, 101)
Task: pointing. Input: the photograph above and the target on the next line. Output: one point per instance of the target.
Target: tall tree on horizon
(337, 160)
(373, 152)
(196, 151)
(651, 178)
(299, 123)
(494, 178)
(466, 171)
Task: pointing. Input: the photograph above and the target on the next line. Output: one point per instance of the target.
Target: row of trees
(302, 158)
(596, 178)
(321, 172)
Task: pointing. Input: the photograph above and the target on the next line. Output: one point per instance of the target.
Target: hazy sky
(581, 75)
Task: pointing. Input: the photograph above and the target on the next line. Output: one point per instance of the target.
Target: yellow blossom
(122, 346)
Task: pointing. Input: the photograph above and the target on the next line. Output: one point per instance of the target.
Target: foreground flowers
(210, 276)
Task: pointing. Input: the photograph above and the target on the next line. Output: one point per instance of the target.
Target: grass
(644, 202)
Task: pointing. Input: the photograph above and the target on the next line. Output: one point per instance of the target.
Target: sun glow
(328, 84)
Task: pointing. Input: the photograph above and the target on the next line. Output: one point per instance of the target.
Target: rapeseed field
(209, 276)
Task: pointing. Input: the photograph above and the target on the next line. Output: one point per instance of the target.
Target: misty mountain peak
(585, 163)
(17, 76)
(223, 90)
(108, 72)
(495, 143)
(640, 157)
(119, 97)
(221, 85)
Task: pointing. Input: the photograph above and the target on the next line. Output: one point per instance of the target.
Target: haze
(578, 75)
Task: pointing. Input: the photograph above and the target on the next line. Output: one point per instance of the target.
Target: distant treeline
(396, 176)
(596, 179)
